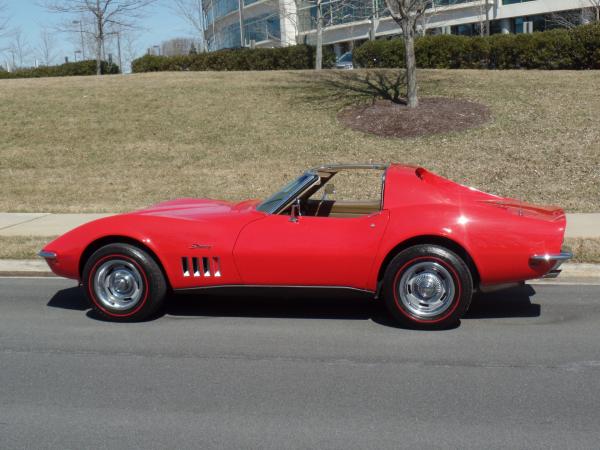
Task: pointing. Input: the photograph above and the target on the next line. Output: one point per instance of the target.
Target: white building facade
(275, 23)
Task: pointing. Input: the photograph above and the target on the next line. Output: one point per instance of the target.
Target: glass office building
(247, 23)
(271, 23)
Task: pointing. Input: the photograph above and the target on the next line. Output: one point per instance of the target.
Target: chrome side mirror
(328, 190)
(296, 212)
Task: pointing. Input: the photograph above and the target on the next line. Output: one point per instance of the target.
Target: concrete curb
(572, 273)
(24, 268)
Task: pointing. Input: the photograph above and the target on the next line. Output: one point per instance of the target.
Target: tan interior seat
(337, 208)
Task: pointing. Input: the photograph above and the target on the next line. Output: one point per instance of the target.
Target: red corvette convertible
(424, 245)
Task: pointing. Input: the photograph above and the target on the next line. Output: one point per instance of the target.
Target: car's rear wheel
(124, 283)
(427, 286)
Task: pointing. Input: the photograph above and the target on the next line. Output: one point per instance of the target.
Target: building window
(228, 37)
(451, 2)
(469, 29)
(262, 28)
(510, 2)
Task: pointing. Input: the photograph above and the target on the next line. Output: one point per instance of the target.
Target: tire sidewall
(154, 289)
(461, 277)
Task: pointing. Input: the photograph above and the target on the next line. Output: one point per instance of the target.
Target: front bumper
(553, 261)
(47, 255)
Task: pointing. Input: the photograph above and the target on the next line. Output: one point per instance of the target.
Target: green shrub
(443, 52)
(64, 70)
(586, 46)
(284, 58)
(380, 53)
(577, 48)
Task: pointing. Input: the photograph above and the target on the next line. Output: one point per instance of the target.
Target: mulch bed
(433, 115)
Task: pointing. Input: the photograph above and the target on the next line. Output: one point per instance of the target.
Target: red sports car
(424, 245)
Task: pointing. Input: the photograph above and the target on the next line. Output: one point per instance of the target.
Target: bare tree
(329, 13)
(4, 20)
(484, 18)
(319, 56)
(191, 12)
(407, 14)
(19, 49)
(572, 19)
(81, 35)
(46, 47)
(131, 49)
(595, 7)
(108, 17)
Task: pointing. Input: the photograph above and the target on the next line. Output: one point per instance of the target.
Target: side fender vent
(185, 266)
(204, 266)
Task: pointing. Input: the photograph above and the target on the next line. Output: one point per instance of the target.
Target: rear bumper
(552, 261)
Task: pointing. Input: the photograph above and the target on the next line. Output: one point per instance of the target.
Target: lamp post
(80, 23)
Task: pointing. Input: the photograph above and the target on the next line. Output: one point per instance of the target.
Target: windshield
(346, 57)
(280, 198)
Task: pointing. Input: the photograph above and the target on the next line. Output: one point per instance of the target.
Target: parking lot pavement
(521, 371)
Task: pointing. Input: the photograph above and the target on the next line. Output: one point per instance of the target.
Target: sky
(160, 24)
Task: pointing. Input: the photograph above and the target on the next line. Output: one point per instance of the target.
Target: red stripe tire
(427, 286)
(124, 283)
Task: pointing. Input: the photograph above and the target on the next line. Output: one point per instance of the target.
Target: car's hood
(194, 209)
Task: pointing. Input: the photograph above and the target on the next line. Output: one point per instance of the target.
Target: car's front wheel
(427, 286)
(124, 283)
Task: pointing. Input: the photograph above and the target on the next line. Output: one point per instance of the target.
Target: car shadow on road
(508, 303)
(71, 298)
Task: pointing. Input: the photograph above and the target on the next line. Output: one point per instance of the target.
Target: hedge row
(64, 70)
(284, 58)
(577, 48)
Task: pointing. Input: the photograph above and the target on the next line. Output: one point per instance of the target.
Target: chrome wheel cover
(118, 285)
(426, 289)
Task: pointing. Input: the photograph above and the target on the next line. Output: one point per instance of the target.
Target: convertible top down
(424, 245)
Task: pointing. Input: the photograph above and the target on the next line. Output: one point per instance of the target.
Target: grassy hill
(123, 142)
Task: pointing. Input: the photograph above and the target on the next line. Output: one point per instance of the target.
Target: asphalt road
(521, 371)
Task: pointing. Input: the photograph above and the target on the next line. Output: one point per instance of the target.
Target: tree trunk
(374, 20)
(99, 44)
(319, 57)
(98, 55)
(99, 37)
(487, 18)
(411, 63)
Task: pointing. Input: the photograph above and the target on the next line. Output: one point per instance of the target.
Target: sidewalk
(43, 224)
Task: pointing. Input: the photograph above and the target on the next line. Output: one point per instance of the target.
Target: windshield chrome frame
(277, 207)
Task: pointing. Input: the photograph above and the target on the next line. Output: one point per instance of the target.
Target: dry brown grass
(21, 247)
(117, 143)
(585, 250)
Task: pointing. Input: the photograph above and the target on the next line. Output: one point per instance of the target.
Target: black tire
(117, 271)
(423, 270)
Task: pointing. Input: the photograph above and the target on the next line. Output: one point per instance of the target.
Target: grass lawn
(123, 142)
(22, 247)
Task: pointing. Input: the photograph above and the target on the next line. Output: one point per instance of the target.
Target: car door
(312, 251)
